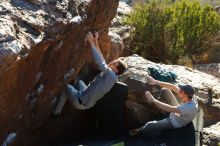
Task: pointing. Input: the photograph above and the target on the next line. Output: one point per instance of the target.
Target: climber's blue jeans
(73, 93)
(74, 90)
(154, 128)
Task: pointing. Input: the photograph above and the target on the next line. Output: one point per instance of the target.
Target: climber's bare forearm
(169, 86)
(166, 107)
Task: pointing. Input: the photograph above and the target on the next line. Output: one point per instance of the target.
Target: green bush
(150, 20)
(166, 31)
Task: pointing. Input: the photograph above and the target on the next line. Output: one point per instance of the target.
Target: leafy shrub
(166, 31)
(150, 20)
(191, 27)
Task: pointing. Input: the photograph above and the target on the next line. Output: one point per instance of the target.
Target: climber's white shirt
(188, 112)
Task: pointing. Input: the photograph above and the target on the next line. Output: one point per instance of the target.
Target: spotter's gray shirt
(102, 83)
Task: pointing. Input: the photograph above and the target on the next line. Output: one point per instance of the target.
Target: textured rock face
(130, 2)
(215, 52)
(120, 29)
(207, 88)
(217, 8)
(212, 69)
(211, 135)
(40, 40)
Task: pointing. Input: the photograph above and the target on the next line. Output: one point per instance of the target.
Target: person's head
(186, 92)
(118, 66)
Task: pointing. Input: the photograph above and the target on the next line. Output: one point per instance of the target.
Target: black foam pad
(110, 111)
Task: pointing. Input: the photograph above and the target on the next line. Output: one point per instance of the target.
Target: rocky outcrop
(121, 30)
(217, 8)
(40, 40)
(207, 89)
(211, 135)
(131, 2)
(212, 69)
(215, 52)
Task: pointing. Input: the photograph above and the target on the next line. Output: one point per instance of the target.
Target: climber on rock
(87, 96)
(178, 115)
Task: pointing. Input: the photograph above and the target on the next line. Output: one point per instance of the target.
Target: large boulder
(214, 53)
(131, 2)
(212, 69)
(207, 89)
(40, 40)
(217, 8)
(119, 29)
(211, 135)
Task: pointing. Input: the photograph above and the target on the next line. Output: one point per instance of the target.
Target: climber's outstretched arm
(96, 54)
(161, 105)
(97, 44)
(172, 87)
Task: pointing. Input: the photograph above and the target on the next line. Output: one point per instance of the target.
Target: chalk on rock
(68, 75)
(76, 20)
(40, 89)
(10, 138)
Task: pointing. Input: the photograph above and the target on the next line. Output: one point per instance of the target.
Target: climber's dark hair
(121, 67)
